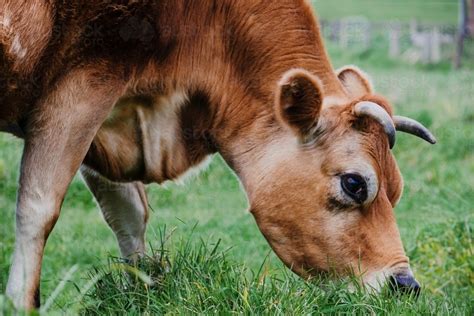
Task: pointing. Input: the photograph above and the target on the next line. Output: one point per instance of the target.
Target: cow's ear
(356, 82)
(298, 101)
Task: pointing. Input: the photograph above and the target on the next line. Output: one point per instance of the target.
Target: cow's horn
(407, 125)
(375, 111)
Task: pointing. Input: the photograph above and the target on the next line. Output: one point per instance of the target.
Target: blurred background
(420, 55)
(414, 31)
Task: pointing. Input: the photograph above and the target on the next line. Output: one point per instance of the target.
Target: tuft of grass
(444, 260)
(200, 278)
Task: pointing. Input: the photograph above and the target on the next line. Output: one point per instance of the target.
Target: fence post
(395, 34)
(336, 31)
(435, 45)
(471, 19)
(355, 30)
(462, 33)
(343, 36)
(422, 41)
(426, 47)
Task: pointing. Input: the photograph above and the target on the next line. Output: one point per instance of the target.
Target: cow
(135, 92)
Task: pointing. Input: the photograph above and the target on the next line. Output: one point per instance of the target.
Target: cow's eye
(354, 186)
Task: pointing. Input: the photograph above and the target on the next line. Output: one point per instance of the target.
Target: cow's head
(328, 183)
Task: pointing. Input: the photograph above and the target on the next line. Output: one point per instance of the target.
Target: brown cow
(142, 91)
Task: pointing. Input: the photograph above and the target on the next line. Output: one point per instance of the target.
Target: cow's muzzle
(405, 283)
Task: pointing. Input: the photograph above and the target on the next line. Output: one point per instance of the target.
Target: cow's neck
(244, 126)
(231, 82)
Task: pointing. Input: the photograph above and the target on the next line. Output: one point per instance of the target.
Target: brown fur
(85, 58)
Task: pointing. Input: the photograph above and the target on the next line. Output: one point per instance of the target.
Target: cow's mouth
(404, 284)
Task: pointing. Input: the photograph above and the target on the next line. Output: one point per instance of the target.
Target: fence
(413, 41)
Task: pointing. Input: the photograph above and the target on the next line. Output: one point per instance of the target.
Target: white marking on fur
(375, 281)
(176, 100)
(16, 48)
(331, 101)
(193, 172)
(173, 104)
(5, 20)
(269, 159)
(161, 128)
(273, 154)
(6, 29)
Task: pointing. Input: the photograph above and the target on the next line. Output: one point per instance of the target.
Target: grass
(199, 278)
(434, 217)
(427, 11)
(187, 275)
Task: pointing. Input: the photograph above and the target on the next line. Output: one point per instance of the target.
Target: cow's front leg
(125, 209)
(58, 135)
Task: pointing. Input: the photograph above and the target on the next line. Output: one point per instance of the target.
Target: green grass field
(215, 260)
(427, 11)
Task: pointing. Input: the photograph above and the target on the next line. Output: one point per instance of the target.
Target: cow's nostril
(405, 284)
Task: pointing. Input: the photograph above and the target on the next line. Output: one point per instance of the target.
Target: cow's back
(41, 42)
